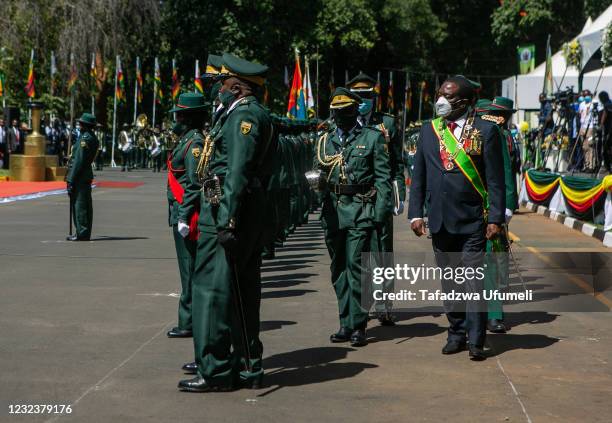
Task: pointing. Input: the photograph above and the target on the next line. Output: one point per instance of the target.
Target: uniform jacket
(367, 162)
(84, 152)
(183, 163)
(452, 200)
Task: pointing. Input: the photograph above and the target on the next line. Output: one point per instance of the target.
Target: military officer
(183, 198)
(382, 240)
(355, 167)
(499, 111)
(233, 223)
(212, 85)
(80, 175)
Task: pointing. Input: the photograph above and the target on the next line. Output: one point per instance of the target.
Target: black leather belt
(350, 189)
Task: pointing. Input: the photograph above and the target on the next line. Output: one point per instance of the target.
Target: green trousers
(82, 209)
(496, 278)
(305, 203)
(186, 255)
(345, 248)
(294, 209)
(284, 214)
(381, 247)
(217, 335)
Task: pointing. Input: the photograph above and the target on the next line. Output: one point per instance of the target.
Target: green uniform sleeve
(382, 180)
(191, 197)
(395, 152)
(511, 195)
(243, 135)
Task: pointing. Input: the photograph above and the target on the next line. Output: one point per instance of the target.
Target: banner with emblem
(29, 89)
(526, 58)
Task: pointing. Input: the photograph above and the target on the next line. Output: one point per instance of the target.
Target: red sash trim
(178, 192)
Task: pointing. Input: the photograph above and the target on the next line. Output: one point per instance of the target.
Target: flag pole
(420, 100)
(195, 90)
(113, 164)
(317, 87)
(136, 90)
(93, 90)
(154, 90)
(72, 88)
(406, 88)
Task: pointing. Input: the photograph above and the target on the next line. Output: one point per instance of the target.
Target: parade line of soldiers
(238, 190)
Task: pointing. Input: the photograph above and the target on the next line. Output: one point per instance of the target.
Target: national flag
(93, 73)
(408, 93)
(390, 102)
(526, 57)
(378, 91)
(53, 73)
(176, 85)
(197, 82)
(158, 82)
(138, 81)
(308, 97)
(120, 91)
(548, 75)
(296, 109)
(425, 91)
(1, 85)
(72, 78)
(29, 89)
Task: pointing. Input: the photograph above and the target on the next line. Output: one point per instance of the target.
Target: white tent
(524, 89)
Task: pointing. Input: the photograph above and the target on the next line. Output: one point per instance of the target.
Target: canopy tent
(524, 89)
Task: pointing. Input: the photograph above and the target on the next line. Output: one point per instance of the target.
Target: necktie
(452, 126)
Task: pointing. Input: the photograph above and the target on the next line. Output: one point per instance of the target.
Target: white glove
(398, 210)
(509, 215)
(183, 228)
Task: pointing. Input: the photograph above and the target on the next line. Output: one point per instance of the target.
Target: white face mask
(443, 107)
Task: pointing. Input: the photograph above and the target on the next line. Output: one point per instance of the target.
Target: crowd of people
(586, 124)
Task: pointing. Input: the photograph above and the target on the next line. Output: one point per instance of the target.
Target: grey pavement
(84, 324)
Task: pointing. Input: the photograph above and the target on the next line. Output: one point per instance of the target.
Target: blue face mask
(366, 106)
(587, 99)
(514, 132)
(580, 99)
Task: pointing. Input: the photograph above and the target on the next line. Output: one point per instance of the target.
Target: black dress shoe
(477, 353)
(343, 335)
(453, 347)
(496, 326)
(199, 384)
(76, 238)
(386, 319)
(175, 332)
(190, 368)
(252, 383)
(268, 256)
(359, 339)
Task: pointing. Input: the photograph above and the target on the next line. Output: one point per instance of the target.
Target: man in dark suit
(463, 213)
(15, 138)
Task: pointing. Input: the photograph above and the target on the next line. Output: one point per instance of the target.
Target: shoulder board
(498, 120)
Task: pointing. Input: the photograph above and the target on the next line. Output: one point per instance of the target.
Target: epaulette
(498, 120)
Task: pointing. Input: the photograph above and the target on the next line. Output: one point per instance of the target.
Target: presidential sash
(461, 158)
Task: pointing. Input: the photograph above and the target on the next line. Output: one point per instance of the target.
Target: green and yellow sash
(462, 160)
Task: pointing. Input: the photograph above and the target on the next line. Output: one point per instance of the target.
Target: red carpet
(16, 188)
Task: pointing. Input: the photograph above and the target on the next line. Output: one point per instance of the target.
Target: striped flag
(29, 89)
(93, 73)
(378, 91)
(138, 81)
(296, 109)
(308, 97)
(1, 85)
(390, 102)
(197, 82)
(158, 82)
(120, 93)
(176, 85)
(408, 94)
(72, 78)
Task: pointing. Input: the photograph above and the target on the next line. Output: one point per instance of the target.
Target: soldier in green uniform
(183, 198)
(234, 169)
(382, 240)
(80, 175)
(355, 167)
(500, 111)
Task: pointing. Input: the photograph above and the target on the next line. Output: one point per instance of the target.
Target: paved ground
(84, 324)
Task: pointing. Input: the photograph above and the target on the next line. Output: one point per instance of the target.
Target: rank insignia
(83, 144)
(245, 127)
(196, 151)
